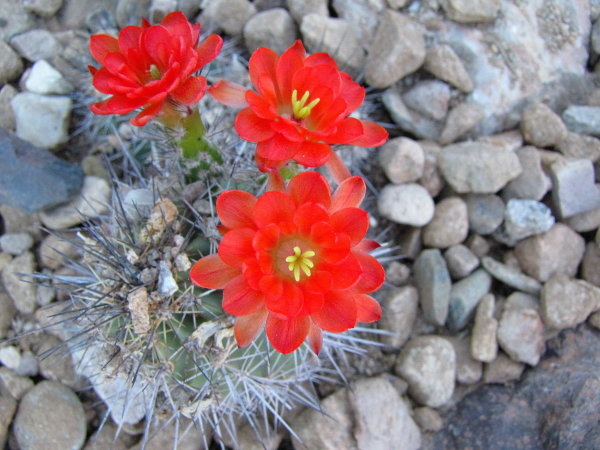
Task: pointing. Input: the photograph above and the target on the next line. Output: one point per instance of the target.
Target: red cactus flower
(296, 259)
(149, 65)
(301, 108)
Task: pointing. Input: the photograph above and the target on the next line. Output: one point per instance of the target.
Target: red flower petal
(375, 135)
(239, 299)
(130, 38)
(273, 207)
(107, 83)
(367, 308)
(263, 60)
(372, 276)
(289, 63)
(289, 131)
(261, 107)
(339, 312)
(272, 286)
(235, 209)
(266, 238)
(366, 246)
(236, 246)
(177, 25)
(307, 215)
(330, 117)
(93, 70)
(146, 114)
(308, 78)
(313, 154)
(267, 88)
(289, 303)
(276, 148)
(252, 272)
(101, 45)
(349, 194)
(119, 104)
(211, 272)
(208, 50)
(352, 92)
(247, 328)
(345, 274)
(348, 130)
(321, 58)
(319, 282)
(287, 335)
(230, 94)
(268, 165)
(315, 338)
(275, 182)
(190, 91)
(312, 302)
(309, 186)
(156, 41)
(337, 168)
(100, 108)
(352, 221)
(252, 128)
(265, 261)
(298, 47)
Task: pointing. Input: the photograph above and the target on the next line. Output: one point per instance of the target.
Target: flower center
(301, 109)
(155, 72)
(299, 261)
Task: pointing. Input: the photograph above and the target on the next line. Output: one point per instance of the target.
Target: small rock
(11, 65)
(402, 160)
(524, 218)
(510, 276)
(511, 140)
(398, 49)
(363, 14)
(533, 183)
(433, 282)
(42, 120)
(56, 250)
(43, 8)
(574, 189)
(431, 179)
(383, 420)
(55, 361)
(521, 335)
(16, 243)
(408, 120)
(427, 419)
(21, 292)
(131, 12)
(468, 370)
(16, 19)
(520, 301)
(334, 36)
(8, 407)
(231, 15)
(45, 294)
(428, 364)
(502, 370)
(582, 119)
(159, 9)
(590, 266)
(274, 29)
(50, 417)
(464, 297)
(5, 258)
(484, 345)
(429, 98)
(408, 204)
(542, 127)
(92, 202)
(565, 303)
(105, 439)
(594, 319)
(28, 366)
(248, 436)
(410, 242)
(401, 307)
(478, 245)
(397, 273)
(138, 203)
(7, 313)
(461, 261)
(167, 285)
(12, 385)
(558, 250)
(449, 225)
(461, 119)
(486, 212)
(471, 12)
(331, 428)
(580, 146)
(478, 167)
(585, 221)
(45, 79)
(444, 63)
(32, 179)
(300, 8)
(36, 45)
(10, 357)
(7, 117)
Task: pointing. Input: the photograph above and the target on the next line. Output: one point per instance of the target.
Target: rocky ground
(487, 185)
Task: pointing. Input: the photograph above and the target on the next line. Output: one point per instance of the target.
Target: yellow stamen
(301, 109)
(155, 72)
(299, 261)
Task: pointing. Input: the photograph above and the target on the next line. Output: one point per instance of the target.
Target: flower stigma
(299, 261)
(300, 110)
(155, 72)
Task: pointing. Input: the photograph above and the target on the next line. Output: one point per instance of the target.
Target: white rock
(521, 335)
(45, 79)
(429, 98)
(574, 189)
(10, 357)
(408, 204)
(402, 160)
(167, 285)
(16, 243)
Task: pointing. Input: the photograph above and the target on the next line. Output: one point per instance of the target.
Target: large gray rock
(402, 160)
(33, 179)
(44, 8)
(16, 19)
(462, 118)
(521, 335)
(34, 45)
(465, 296)
(274, 29)
(401, 307)
(408, 120)
(429, 98)
(398, 49)
(300, 8)
(50, 417)
(478, 167)
(574, 188)
(580, 146)
(524, 218)
(363, 14)
(468, 370)
(433, 282)
(533, 183)
(583, 119)
(486, 212)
